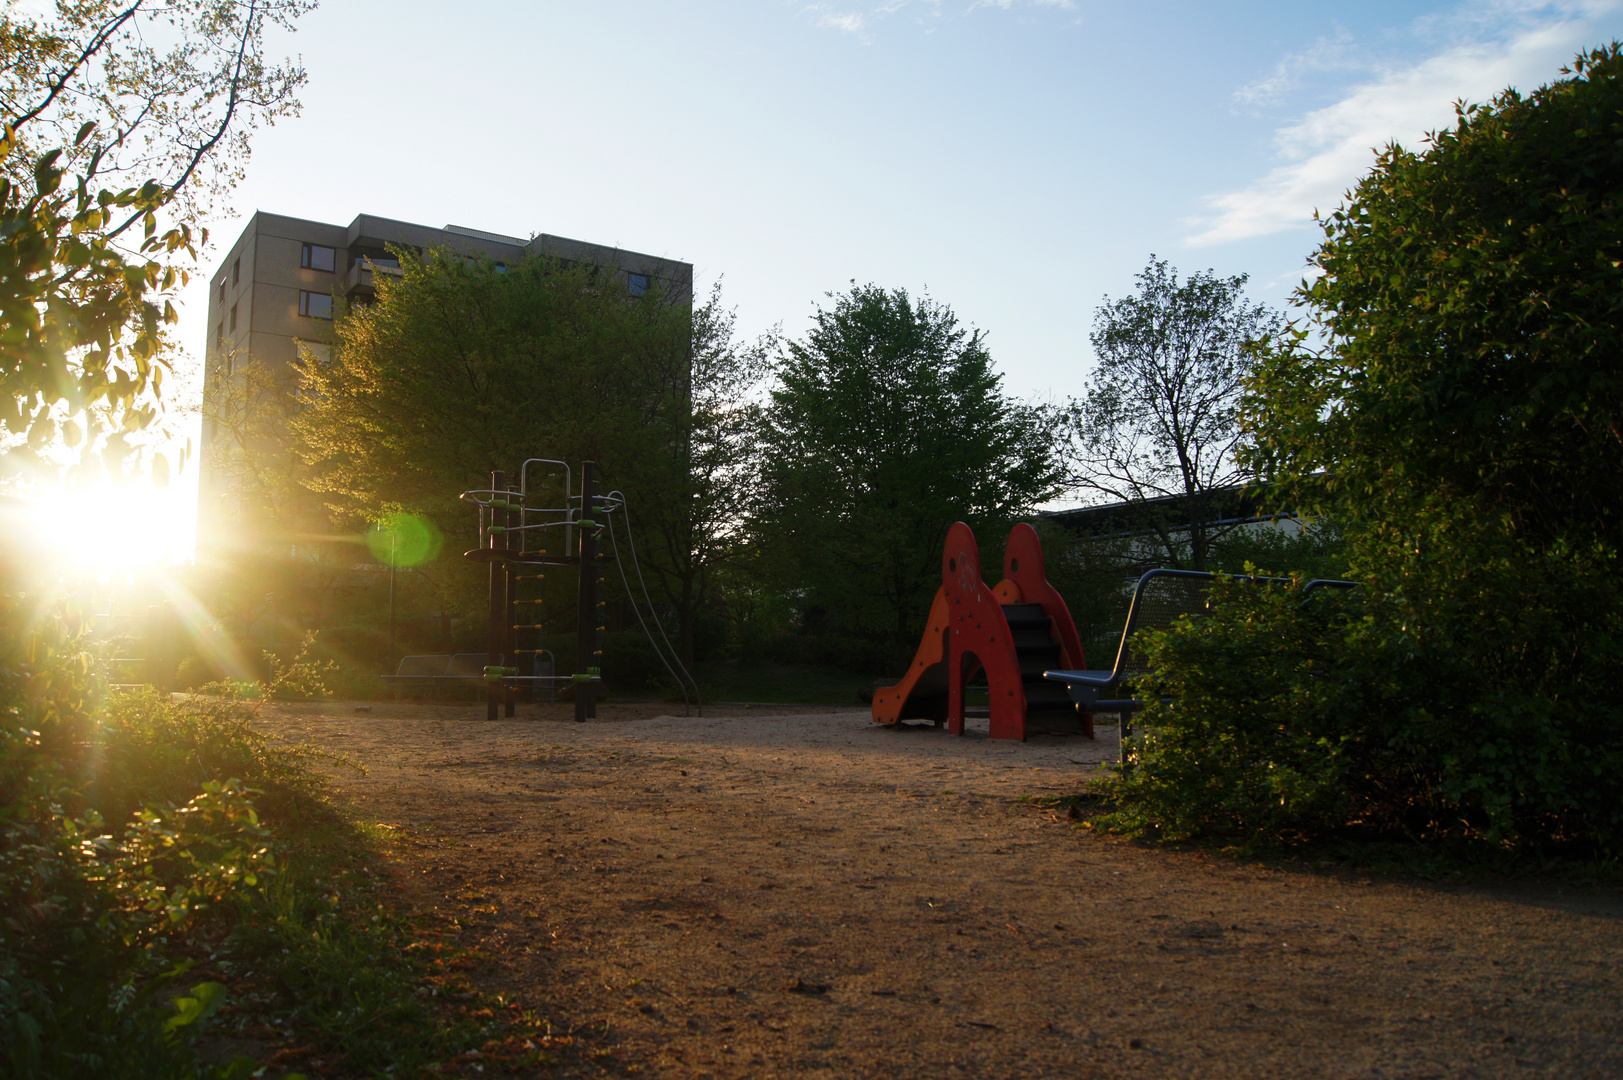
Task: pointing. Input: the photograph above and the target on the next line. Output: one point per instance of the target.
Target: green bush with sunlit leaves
(171, 877)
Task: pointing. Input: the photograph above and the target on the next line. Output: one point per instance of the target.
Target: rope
(632, 541)
(637, 563)
(637, 610)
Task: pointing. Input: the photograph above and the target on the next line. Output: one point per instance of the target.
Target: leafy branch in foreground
(112, 153)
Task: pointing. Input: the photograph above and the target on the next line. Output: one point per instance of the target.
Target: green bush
(1441, 709)
(195, 671)
(1255, 743)
(119, 838)
(1462, 422)
(1317, 550)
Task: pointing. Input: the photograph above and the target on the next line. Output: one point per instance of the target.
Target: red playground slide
(1014, 632)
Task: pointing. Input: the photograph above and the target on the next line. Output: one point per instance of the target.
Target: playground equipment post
(497, 644)
(586, 618)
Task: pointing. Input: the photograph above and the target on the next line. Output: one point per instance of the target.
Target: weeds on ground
(178, 898)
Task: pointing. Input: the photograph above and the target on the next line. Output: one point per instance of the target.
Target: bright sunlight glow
(110, 528)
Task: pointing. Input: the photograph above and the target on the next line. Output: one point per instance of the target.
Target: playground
(776, 892)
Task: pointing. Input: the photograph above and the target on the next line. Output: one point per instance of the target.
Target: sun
(109, 528)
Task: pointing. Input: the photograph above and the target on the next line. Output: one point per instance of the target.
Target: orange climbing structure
(1013, 631)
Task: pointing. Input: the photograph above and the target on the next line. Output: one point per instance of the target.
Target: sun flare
(108, 528)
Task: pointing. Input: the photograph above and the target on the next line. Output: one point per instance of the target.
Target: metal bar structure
(517, 628)
(512, 517)
(506, 521)
(496, 653)
(588, 652)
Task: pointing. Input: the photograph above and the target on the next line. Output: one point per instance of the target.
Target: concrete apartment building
(276, 284)
(275, 289)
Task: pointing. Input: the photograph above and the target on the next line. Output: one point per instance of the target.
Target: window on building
(315, 305)
(233, 318)
(222, 290)
(319, 351)
(637, 284)
(236, 271)
(316, 257)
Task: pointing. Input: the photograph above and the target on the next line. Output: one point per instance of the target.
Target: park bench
(419, 671)
(1160, 599)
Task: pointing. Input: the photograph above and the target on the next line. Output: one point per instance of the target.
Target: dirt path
(812, 895)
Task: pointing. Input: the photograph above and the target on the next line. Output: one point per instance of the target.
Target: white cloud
(825, 17)
(1326, 54)
(1326, 151)
(851, 22)
(1005, 5)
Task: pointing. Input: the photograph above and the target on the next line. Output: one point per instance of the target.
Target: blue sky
(1019, 159)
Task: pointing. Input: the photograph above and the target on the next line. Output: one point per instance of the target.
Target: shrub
(90, 980)
(1435, 713)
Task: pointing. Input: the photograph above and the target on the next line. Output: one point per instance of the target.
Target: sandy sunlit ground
(750, 895)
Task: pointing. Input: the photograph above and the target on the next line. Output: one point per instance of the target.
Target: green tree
(697, 488)
(1463, 421)
(462, 368)
(1471, 299)
(1159, 423)
(113, 151)
(109, 151)
(886, 425)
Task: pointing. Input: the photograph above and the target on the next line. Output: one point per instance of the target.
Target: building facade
(276, 285)
(1162, 532)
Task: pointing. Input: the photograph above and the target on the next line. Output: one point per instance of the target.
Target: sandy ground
(755, 894)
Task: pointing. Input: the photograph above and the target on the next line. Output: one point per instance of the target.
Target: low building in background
(1148, 533)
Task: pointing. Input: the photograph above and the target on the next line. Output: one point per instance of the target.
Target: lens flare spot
(404, 540)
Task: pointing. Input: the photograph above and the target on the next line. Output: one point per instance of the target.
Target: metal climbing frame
(513, 542)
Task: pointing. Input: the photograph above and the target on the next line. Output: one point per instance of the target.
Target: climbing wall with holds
(1012, 632)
